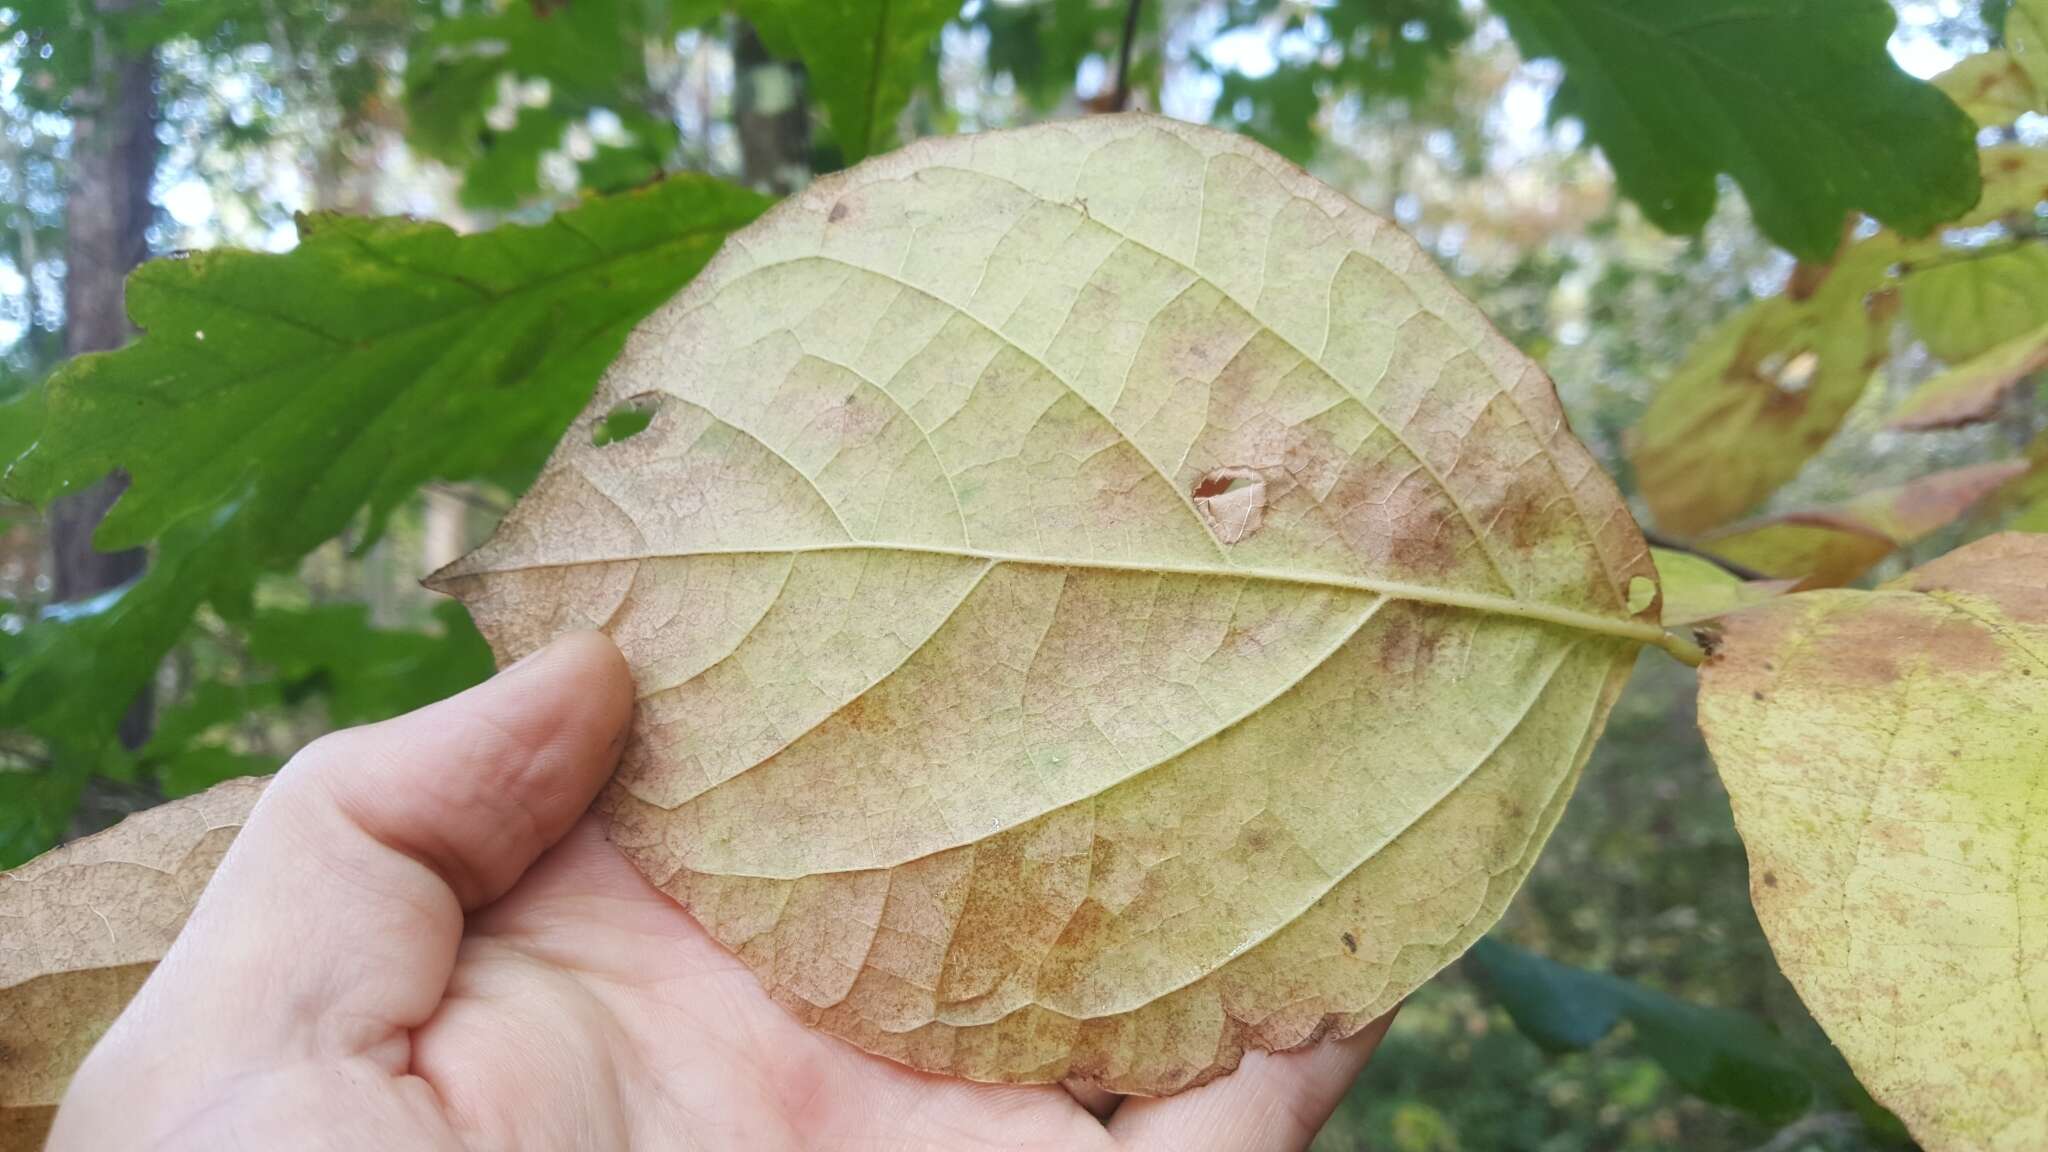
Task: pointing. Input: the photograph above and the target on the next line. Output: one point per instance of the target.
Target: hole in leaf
(1790, 374)
(1641, 590)
(627, 419)
(1232, 501)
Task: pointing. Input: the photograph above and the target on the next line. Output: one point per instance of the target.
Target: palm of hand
(419, 941)
(651, 1030)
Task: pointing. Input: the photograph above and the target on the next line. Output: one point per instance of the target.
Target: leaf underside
(1100, 601)
(1884, 752)
(84, 925)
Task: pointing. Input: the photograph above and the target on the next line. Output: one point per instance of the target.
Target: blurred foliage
(308, 432)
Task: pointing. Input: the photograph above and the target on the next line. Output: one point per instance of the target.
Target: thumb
(332, 925)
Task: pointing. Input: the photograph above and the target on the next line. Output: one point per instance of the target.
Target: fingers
(334, 920)
(1101, 1103)
(1274, 1102)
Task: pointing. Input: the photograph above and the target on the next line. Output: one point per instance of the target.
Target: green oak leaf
(272, 398)
(1798, 100)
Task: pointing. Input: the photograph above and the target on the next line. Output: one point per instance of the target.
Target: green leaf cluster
(274, 401)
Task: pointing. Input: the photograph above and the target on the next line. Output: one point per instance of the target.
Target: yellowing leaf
(1761, 393)
(1829, 547)
(1991, 87)
(1963, 308)
(2015, 183)
(1697, 589)
(1100, 601)
(2026, 37)
(1886, 753)
(1973, 391)
(83, 926)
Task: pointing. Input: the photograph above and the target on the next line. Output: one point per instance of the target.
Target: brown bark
(771, 114)
(106, 218)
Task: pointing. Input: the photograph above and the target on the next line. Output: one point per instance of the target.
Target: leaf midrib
(1639, 631)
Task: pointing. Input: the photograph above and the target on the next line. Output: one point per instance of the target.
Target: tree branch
(1122, 97)
(1739, 571)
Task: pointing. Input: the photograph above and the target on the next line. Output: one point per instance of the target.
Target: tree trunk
(106, 218)
(769, 111)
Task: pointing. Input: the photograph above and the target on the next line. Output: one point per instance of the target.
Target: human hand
(419, 941)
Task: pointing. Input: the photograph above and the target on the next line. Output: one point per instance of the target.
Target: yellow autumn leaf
(2015, 182)
(1974, 390)
(1992, 87)
(1759, 395)
(1830, 546)
(1886, 753)
(83, 925)
(1100, 601)
(2026, 37)
(1697, 589)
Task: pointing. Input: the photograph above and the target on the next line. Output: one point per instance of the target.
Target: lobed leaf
(1885, 752)
(84, 925)
(1100, 601)
(272, 398)
(1798, 100)
(1831, 546)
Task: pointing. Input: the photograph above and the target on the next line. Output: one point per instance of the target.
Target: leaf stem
(1672, 544)
(1683, 649)
(1123, 55)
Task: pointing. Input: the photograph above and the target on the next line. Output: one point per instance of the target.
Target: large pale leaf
(1100, 601)
(1830, 546)
(79, 929)
(1798, 100)
(1760, 394)
(1886, 753)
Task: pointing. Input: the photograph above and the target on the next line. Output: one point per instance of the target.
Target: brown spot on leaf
(1350, 943)
(1425, 550)
(838, 213)
(1770, 879)
(1410, 637)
